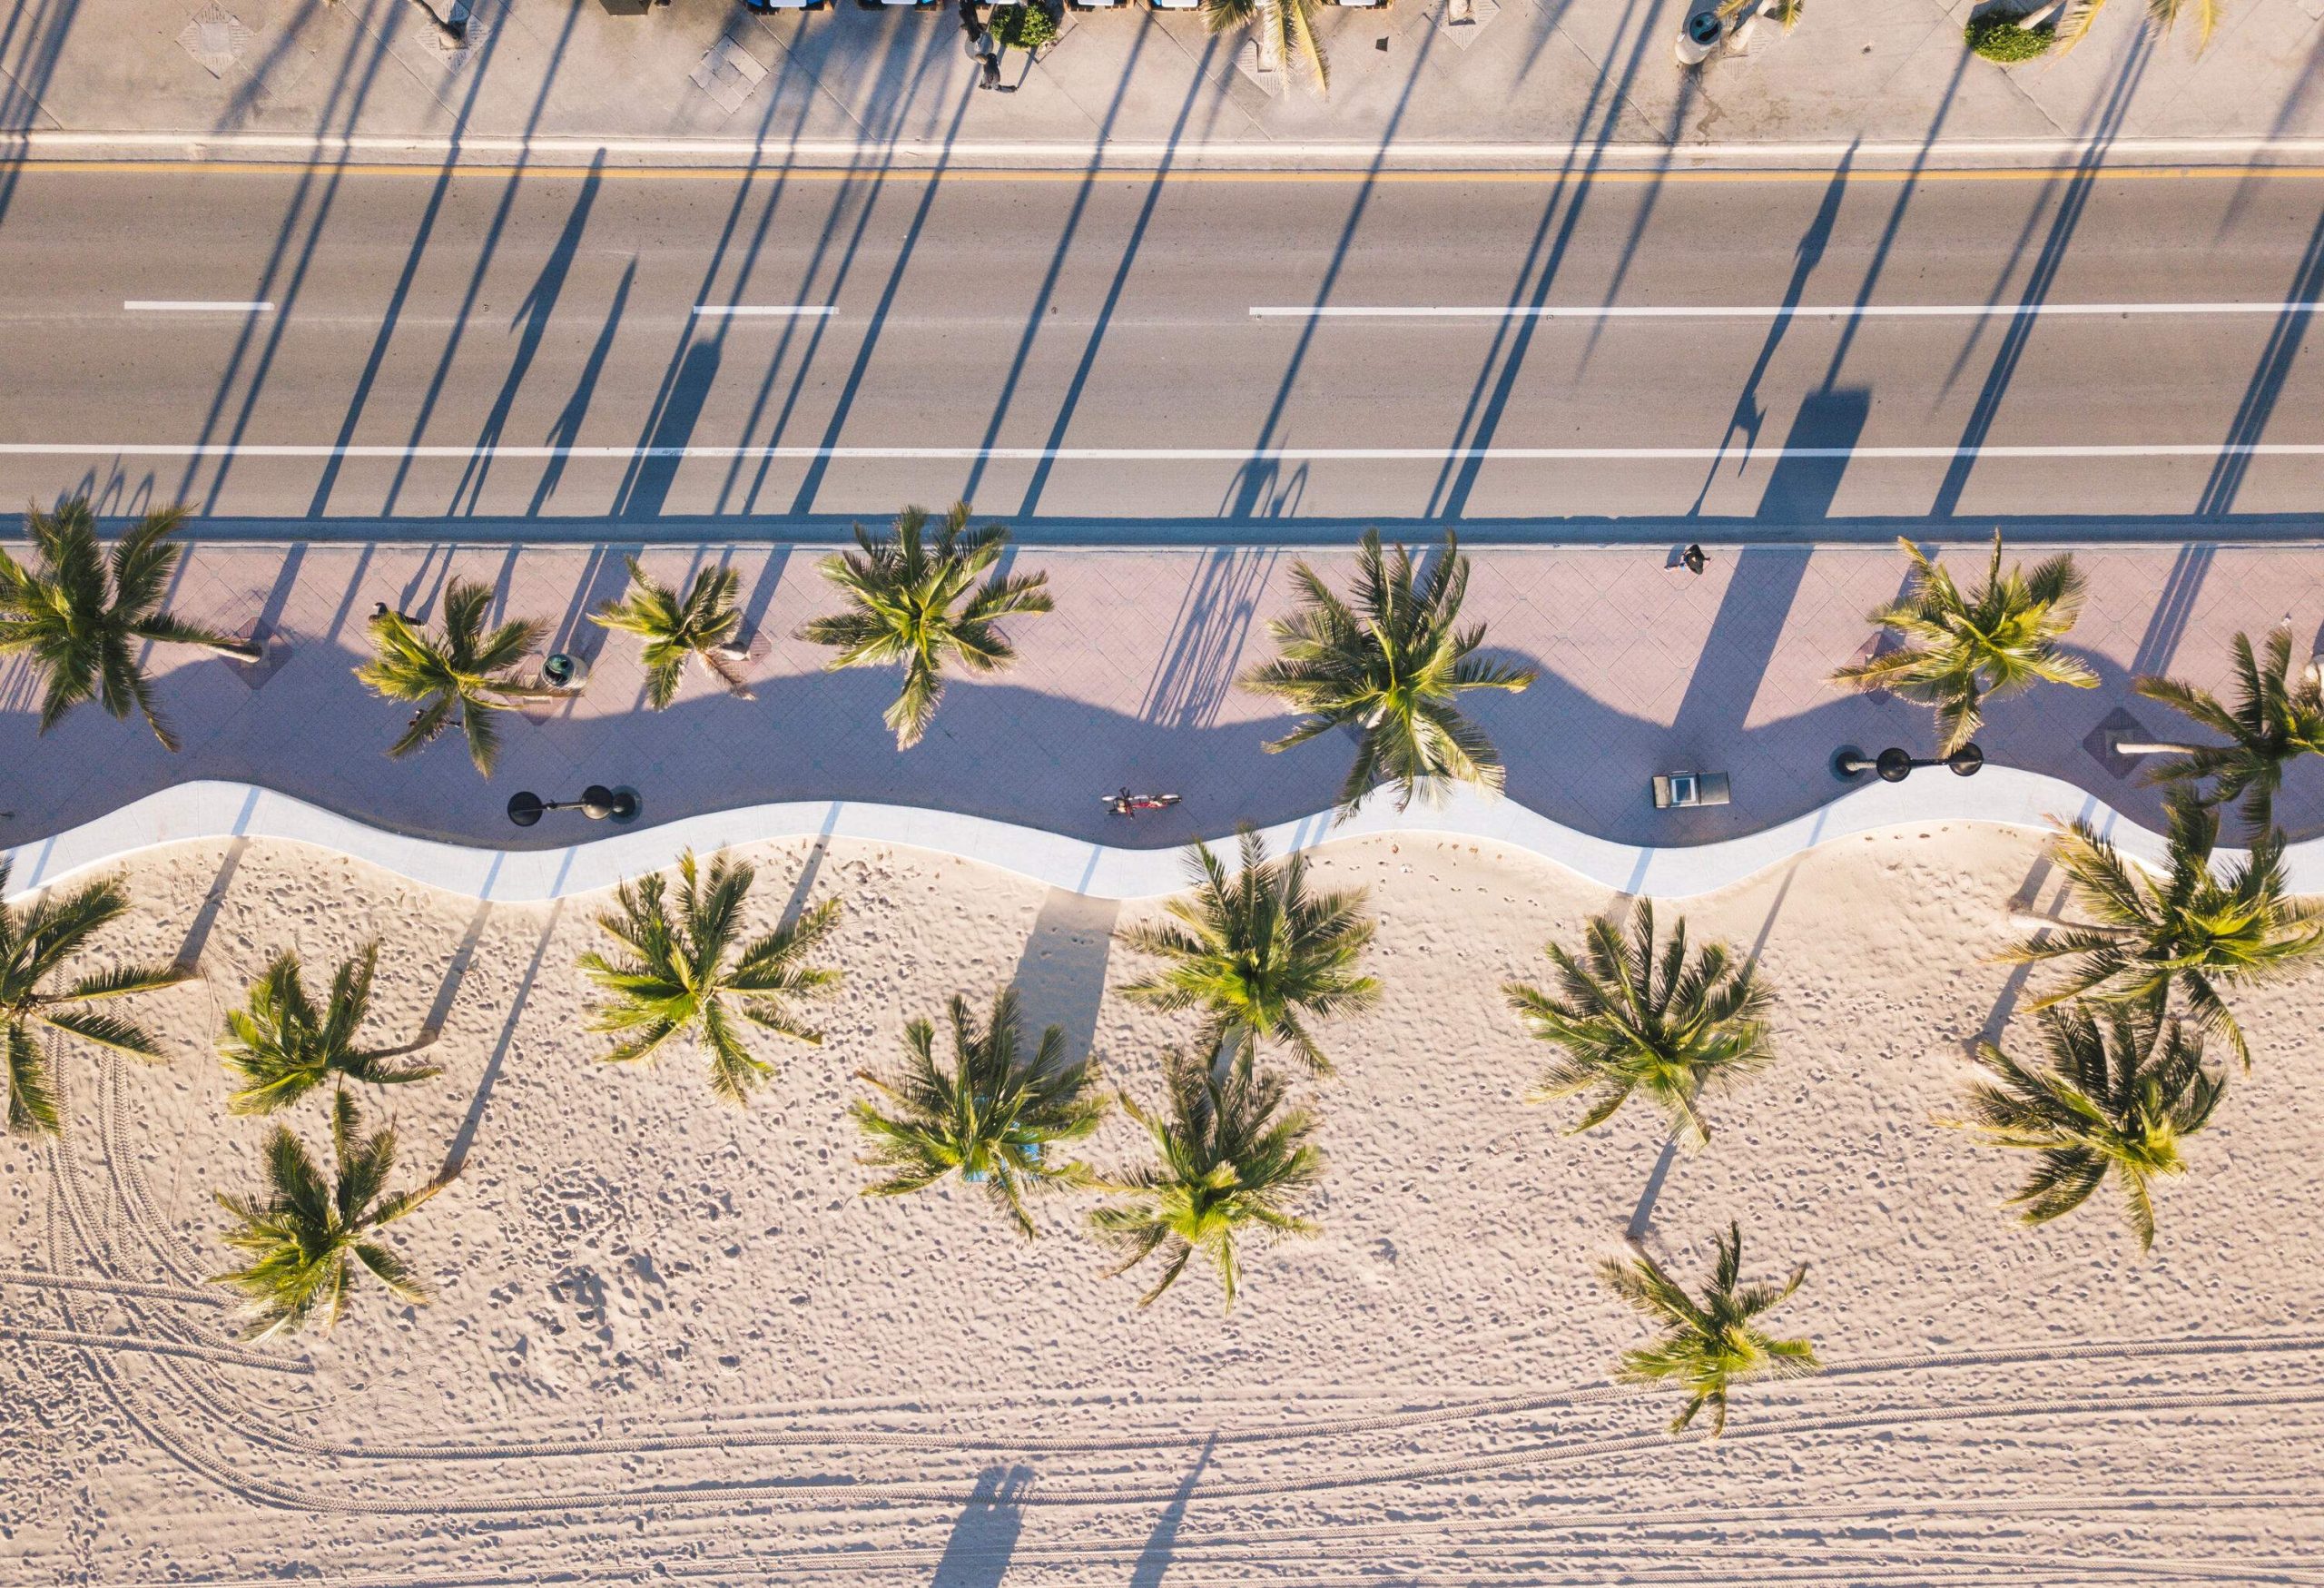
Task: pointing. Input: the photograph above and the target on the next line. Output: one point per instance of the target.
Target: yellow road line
(36, 168)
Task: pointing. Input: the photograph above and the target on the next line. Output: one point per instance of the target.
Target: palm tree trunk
(233, 649)
(2024, 920)
(1269, 35)
(450, 32)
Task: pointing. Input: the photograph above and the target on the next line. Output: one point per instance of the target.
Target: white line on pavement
(211, 146)
(1769, 312)
(1162, 454)
(763, 311)
(195, 306)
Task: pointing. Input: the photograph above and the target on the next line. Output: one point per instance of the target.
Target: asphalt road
(1080, 355)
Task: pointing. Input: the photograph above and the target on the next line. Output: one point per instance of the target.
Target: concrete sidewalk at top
(1526, 72)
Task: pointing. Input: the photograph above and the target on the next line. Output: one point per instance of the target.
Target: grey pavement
(1534, 70)
(1131, 681)
(1714, 353)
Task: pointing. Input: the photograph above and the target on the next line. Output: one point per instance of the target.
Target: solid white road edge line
(195, 306)
(1772, 311)
(2200, 450)
(207, 811)
(764, 310)
(2113, 150)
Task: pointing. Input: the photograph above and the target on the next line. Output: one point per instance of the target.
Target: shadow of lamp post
(596, 802)
(1894, 765)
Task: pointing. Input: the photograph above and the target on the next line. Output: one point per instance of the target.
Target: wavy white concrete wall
(193, 812)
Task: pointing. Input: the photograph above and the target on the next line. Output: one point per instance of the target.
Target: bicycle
(1126, 804)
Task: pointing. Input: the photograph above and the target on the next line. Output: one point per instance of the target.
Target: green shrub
(1026, 27)
(1997, 38)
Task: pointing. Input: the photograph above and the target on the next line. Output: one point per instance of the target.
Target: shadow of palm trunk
(2021, 912)
(1155, 1558)
(1062, 975)
(456, 1158)
(1642, 1215)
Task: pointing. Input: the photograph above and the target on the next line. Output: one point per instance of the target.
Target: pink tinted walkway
(1131, 681)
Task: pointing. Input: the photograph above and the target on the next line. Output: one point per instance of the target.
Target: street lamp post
(596, 802)
(1894, 764)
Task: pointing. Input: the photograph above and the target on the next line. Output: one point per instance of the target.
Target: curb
(869, 157)
(208, 810)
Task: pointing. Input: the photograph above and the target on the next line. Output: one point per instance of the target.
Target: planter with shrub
(1026, 27)
(2007, 39)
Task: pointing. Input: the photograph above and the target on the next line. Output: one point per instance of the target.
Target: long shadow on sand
(985, 1535)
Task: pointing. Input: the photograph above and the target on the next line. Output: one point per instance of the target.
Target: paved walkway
(1532, 71)
(1130, 681)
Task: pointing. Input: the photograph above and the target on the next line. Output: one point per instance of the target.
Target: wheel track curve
(1261, 1547)
(40, 1279)
(726, 1491)
(151, 1347)
(103, 1371)
(152, 1231)
(715, 1437)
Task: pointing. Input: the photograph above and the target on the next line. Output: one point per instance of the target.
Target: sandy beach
(671, 1340)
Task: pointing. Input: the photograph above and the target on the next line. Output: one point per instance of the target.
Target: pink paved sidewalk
(1643, 669)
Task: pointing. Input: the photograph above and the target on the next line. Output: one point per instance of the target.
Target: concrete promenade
(1528, 71)
(1131, 680)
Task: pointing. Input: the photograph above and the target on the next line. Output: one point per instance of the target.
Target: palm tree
(700, 628)
(2161, 16)
(1959, 651)
(996, 1117)
(2116, 1097)
(1392, 667)
(903, 587)
(685, 977)
(306, 1236)
(451, 29)
(1257, 954)
(81, 616)
(463, 672)
(1631, 1018)
(1278, 28)
(34, 944)
(1709, 1346)
(1229, 1165)
(2190, 928)
(281, 1048)
(1784, 13)
(2274, 722)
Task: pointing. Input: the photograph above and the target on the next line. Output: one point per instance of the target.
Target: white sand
(746, 1371)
